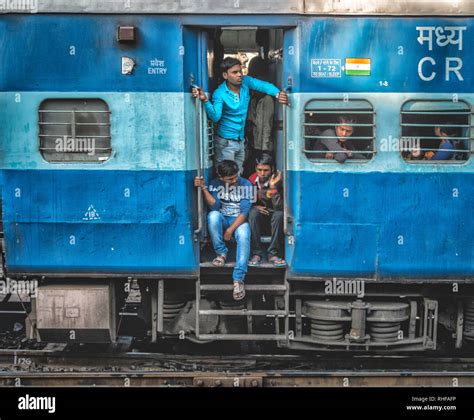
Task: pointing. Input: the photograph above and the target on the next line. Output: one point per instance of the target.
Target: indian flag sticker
(357, 66)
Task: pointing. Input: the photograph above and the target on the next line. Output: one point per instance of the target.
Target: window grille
(323, 142)
(74, 130)
(437, 132)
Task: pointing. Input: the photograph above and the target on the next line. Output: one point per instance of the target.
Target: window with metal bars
(339, 131)
(74, 130)
(436, 131)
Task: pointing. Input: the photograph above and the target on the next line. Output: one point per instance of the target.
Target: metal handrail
(198, 231)
(286, 210)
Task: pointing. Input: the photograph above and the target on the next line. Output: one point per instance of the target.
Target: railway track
(58, 368)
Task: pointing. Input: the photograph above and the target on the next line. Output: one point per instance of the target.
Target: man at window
(445, 149)
(335, 141)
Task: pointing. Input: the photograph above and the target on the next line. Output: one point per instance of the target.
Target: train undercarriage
(294, 313)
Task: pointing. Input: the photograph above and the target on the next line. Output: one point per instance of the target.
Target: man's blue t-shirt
(230, 110)
(232, 200)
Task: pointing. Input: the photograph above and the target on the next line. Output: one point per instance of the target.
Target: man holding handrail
(229, 106)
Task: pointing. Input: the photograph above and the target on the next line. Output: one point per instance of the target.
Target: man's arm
(212, 201)
(333, 147)
(214, 109)
(240, 219)
(265, 87)
(245, 206)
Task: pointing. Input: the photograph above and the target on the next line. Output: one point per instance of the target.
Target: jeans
(276, 222)
(230, 150)
(217, 224)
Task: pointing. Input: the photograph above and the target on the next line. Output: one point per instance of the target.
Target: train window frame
(468, 137)
(82, 149)
(337, 109)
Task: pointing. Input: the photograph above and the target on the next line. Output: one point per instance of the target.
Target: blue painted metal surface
(389, 224)
(80, 53)
(98, 221)
(398, 220)
(394, 50)
(87, 57)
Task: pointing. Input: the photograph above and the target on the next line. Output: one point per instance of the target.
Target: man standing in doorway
(229, 106)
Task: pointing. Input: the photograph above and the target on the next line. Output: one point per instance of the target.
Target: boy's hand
(283, 97)
(199, 182)
(198, 93)
(263, 210)
(228, 234)
(275, 179)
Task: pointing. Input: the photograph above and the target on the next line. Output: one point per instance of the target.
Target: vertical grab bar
(198, 231)
(285, 166)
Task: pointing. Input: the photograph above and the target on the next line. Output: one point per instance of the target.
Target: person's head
(264, 167)
(446, 131)
(344, 127)
(258, 68)
(228, 172)
(231, 69)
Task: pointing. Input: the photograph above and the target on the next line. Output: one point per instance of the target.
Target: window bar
(73, 125)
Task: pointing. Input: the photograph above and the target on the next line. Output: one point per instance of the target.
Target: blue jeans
(230, 150)
(217, 224)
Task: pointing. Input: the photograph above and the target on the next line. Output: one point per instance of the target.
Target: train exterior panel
(132, 213)
(385, 217)
(357, 219)
(396, 228)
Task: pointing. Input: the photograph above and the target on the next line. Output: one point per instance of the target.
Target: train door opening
(260, 50)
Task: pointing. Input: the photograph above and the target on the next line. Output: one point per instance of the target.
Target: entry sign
(326, 67)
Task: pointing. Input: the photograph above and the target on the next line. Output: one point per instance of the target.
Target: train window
(339, 131)
(436, 132)
(74, 130)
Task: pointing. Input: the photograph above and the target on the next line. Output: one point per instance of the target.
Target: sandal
(239, 290)
(277, 261)
(219, 261)
(255, 260)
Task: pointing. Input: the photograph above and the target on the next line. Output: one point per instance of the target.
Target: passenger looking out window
(445, 148)
(335, 141)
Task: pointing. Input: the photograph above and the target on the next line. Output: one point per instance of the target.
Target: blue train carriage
(378, 246)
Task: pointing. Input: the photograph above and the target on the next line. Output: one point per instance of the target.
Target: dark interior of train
(248, 44)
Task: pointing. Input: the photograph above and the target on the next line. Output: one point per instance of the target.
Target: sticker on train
(358, 66)
(326, 67)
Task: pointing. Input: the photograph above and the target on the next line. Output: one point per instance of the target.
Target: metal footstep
(232, 314)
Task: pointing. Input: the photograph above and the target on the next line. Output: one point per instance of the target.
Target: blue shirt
(232, 200)
(445, 151)
(230, 110)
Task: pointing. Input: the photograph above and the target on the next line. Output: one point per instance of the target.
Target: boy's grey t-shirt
(232, 200)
